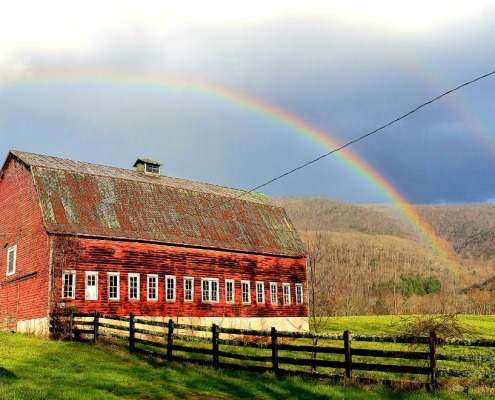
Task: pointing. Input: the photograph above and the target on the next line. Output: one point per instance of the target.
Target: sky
(240, 93)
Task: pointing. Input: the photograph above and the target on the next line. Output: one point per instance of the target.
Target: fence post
(314, 355)
(432, 376)
(274, 351)
(131, 333)
(348, 355)
(71, 323)
(214, 341)
(96, 322)
(169, 339)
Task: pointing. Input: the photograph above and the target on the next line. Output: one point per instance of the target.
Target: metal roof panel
(93, 200)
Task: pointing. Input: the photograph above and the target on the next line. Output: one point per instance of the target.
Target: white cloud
(83, 30)
(415, 16)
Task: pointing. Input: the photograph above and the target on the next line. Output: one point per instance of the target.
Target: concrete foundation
(38, 326)
(287, 324)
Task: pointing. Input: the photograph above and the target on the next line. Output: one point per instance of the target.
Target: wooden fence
(406, 359)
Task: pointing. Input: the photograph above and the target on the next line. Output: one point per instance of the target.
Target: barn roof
(99, 201)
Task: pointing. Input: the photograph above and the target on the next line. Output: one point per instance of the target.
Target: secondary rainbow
(421, 68)
(291, 121)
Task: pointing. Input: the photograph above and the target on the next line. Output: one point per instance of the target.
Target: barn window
(286, 288)
(273, 293)
(152, 168)
(152, 287)
(260, 292)
(11, 260)
(299, 293)
(133, 286)
(91, 289)
(229, 290)
(246, 292)
(169, 288)
(209, 289)
(113, 286)
(69, 284)
(188, 289)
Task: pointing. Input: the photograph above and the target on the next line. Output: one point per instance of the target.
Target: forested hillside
(319, 214)
(469, 228)
(372, 261)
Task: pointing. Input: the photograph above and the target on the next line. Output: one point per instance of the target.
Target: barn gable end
(24, 252)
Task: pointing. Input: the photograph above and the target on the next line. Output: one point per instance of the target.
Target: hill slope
(315, 213)
(382, 264)
(469, 228)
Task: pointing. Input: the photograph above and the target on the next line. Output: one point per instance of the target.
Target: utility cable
(245, 193)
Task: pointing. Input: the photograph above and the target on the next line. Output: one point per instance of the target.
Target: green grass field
(475, 326)
(33, 368)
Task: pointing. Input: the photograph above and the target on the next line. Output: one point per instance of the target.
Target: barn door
(91, 285)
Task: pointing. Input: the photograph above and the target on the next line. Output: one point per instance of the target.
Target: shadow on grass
(194, 380)
(240, 384)
(201, 379)
(6, 374)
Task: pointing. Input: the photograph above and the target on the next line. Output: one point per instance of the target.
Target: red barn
(96, 238)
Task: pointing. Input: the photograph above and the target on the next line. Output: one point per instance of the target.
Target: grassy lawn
(33, 368)
(475, 326)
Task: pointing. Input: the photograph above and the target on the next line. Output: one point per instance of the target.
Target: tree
(443, 325)
(322, 289)
(66, 255)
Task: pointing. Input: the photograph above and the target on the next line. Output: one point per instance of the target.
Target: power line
(245, 193)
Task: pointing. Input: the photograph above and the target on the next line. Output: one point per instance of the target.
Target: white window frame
(149, 278)
(245, 285)
(229, 292)
(260, 292)
(208, 294)
(274, 292)
(109, 276)
(286, 292)
(13, 250)
(152, 168)
(299, 293)
(172, 279)
(72, 287)
(87, 294)
(130, 278)
(188, 292)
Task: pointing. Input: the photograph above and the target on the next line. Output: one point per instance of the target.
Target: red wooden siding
(129, 257)
(23, 295)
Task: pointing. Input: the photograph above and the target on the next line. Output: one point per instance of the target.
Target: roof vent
(147, 166)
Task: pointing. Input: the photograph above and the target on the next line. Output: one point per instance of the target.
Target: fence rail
(290, 352)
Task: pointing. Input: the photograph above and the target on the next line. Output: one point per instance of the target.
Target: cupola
(147, 166)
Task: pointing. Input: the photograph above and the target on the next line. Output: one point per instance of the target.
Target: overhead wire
(426, 103)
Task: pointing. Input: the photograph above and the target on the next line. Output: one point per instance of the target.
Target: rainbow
(292, 122)
(328, 144)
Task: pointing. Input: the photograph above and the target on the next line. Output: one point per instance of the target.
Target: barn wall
(106, 256)
(24, 294)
